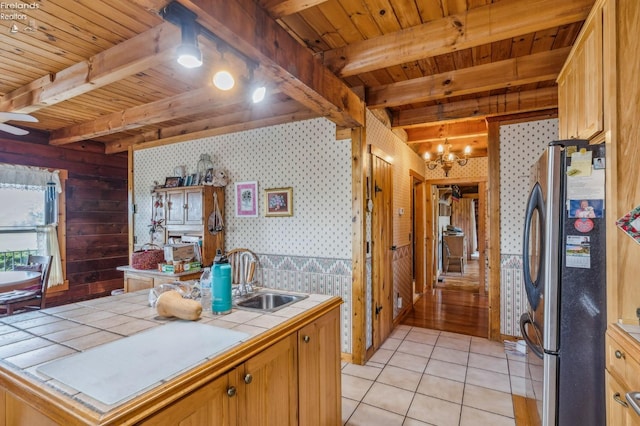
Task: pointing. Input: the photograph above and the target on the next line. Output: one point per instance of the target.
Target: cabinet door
(175, 207)
(210, 405)
(590, 79)
(193, 207)
(319, 371)
(268, 394)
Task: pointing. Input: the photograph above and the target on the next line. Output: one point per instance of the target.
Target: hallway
(455, 305)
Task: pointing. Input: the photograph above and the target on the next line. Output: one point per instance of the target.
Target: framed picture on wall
(278, 202)
(246, 199)
(172, 182)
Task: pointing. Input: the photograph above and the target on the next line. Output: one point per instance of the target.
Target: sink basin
(267, 301)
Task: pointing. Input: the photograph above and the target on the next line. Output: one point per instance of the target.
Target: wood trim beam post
(482, 25)
(488, 106)
(127, 58)
(534, 68)
(245, 26)
(358, 242)
(493, 228)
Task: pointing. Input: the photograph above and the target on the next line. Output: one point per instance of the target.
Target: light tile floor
(428, 377)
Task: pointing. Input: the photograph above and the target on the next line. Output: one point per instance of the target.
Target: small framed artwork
(172, 182)
(246, 199)
(208, 177)
(278, 202)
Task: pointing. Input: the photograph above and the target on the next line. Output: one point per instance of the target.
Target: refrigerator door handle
(634, 400)
(524, 320)
(534, 288)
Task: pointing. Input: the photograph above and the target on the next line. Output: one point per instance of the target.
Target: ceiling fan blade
(13, 130)
(17, 116)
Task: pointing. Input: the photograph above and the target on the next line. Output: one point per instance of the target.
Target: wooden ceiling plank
(129, 57)
(155, 112)
(438, 131)
(361, 18)
(382, 13)
(487, 24)
(431, 10)
(279, 8)
(406, 13)
(510, 103)
(512, 72)
(323, 26)
(299, 74)
(339, 20)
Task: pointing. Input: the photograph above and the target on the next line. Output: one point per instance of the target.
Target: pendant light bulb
(223, 80)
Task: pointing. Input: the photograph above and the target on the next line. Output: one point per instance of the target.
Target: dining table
(17, 280)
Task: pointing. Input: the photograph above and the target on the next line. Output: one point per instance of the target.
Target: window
(20, 217)
(32, 219)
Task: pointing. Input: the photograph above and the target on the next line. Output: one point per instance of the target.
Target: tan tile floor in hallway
(429, 377)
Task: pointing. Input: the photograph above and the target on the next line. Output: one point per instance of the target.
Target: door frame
(419, 206)
(483, 232)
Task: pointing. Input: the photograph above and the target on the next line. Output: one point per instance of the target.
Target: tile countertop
(31, 339)
(633, 330)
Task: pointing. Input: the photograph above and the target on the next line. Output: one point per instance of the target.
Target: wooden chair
(243, 269)
(31, 298)
(448, 258)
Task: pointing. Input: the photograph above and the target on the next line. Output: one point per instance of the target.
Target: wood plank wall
(96, 214)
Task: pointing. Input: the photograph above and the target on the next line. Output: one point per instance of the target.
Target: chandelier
(445, 158)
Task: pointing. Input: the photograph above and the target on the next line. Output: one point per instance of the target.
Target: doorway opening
(455, 297)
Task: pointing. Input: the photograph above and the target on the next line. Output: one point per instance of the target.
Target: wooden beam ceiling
(279, 8)
(127, 58)
(488, 106)
(483, 25)
(247, 27)
(511, 72)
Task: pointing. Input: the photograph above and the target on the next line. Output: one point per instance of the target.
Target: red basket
(147, 258)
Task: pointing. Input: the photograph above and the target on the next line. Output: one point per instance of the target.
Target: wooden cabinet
(187, 211)
(262, 391)
(319, 377)
(295, 381)
(135, 279)
(623, 376)
(581, 83)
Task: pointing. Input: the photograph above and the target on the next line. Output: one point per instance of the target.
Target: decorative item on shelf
(157, 218)
(446, 159)
(204, 165)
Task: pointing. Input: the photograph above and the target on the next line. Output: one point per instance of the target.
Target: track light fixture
(189, 55)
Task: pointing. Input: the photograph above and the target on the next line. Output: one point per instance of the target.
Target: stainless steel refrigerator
(564, 275)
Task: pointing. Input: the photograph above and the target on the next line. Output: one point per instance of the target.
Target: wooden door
(319, 371)
(382, 254)
(268, 395)
(419, 237)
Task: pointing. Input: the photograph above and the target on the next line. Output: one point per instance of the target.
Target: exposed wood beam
(277, 113)
(442, 131)
(247, 27)
(127, 58)
(279, 8)
(482, 25)
(185, 104)
(511, 72)
(489, 106)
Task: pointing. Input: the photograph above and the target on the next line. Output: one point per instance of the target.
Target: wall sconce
(446, 159)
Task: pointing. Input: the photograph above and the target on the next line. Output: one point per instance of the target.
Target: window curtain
(25, 177)
(48, 245)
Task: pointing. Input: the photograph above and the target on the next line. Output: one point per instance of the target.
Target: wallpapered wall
(520, 147)
(309, 251)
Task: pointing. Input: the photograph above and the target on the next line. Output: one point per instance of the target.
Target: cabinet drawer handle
(616, 398)
(306, 339)
(231, 391)
(248, 378)
(619, 355)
